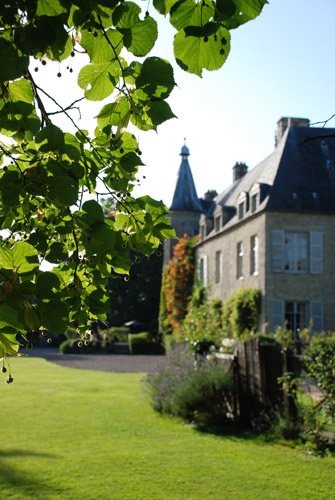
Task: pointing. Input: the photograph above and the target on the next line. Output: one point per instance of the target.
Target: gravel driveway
(120, 363)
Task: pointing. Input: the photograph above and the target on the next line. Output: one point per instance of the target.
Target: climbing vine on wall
(177, 282)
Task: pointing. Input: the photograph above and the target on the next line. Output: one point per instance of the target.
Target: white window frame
(295, 252)
(218, 267)
(239, 260)
(254, 254)
(203, 270)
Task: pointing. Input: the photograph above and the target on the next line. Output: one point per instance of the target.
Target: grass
(70, 434)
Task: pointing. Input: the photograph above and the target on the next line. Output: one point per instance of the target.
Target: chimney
(239, 170)
(210, 194)
(287, 122)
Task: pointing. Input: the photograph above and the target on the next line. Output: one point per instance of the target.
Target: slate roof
(185, 195)
(298, 176)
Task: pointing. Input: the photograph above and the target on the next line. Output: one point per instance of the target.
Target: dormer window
(254, 202)
(242, 207)
(254, 197)
(241, 210)
(218, 224)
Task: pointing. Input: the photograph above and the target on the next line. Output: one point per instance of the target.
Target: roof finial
(184, 150)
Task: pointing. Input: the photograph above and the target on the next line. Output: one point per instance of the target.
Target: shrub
(141, 343)
(71, 346)
(203, 322)
(115, 334)
(198, 392)
(241, 313)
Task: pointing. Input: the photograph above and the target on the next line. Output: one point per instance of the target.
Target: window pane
(295, 252)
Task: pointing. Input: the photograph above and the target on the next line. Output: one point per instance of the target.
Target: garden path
(120, 363)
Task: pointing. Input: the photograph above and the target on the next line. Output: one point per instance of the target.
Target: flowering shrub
(203, 321)
(177, 284)
(201, 392)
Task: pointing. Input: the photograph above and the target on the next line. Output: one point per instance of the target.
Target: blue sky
(281, 64)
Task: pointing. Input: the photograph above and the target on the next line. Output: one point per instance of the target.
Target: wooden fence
(258, 365)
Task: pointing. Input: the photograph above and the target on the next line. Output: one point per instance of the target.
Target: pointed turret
(185, 195)
(186, 207)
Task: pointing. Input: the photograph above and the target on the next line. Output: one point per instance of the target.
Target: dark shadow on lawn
(236, 433)
(23, 482)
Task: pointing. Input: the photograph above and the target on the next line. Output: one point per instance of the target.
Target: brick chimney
(210, 194)
(239, 170)
(287, 122)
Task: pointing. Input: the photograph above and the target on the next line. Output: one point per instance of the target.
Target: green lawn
(79, 435)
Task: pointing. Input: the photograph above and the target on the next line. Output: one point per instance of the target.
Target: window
(241, 210)
(254, 194)
(218, 223)
(254, 203)
(254, 255)
(202, 232)
(295, 315)
(295, 252)
(239, 272)
(218, 267)
(203, 270)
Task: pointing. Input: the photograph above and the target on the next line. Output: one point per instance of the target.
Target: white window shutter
(316, 252)
(317, 315)
(205, 270)
(277, 313)
(277, 250)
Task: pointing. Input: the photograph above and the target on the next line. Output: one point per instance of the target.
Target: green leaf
(182, 13)
(56, 253)
(9, 317)
(22, 258)
(164, 6)
(50, 138)
(195, 53)
(99, 80)
(151, 114)
(31, 317)
(64, 189)
(90, 213)
(21, 91)
(49, 8)
(12, 62)
(45, 284)
(114, 113)
(156, 79)
(11, 185)
(245, 10)
(139, 37)
(8, 345)
(55, 316)
(99, 49)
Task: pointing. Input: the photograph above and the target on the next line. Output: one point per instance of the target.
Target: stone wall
(303, 287)
(226, 241)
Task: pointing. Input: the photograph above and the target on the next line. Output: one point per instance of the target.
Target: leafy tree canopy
(45, 169)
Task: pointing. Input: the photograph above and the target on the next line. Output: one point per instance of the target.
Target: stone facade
(273, 229)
